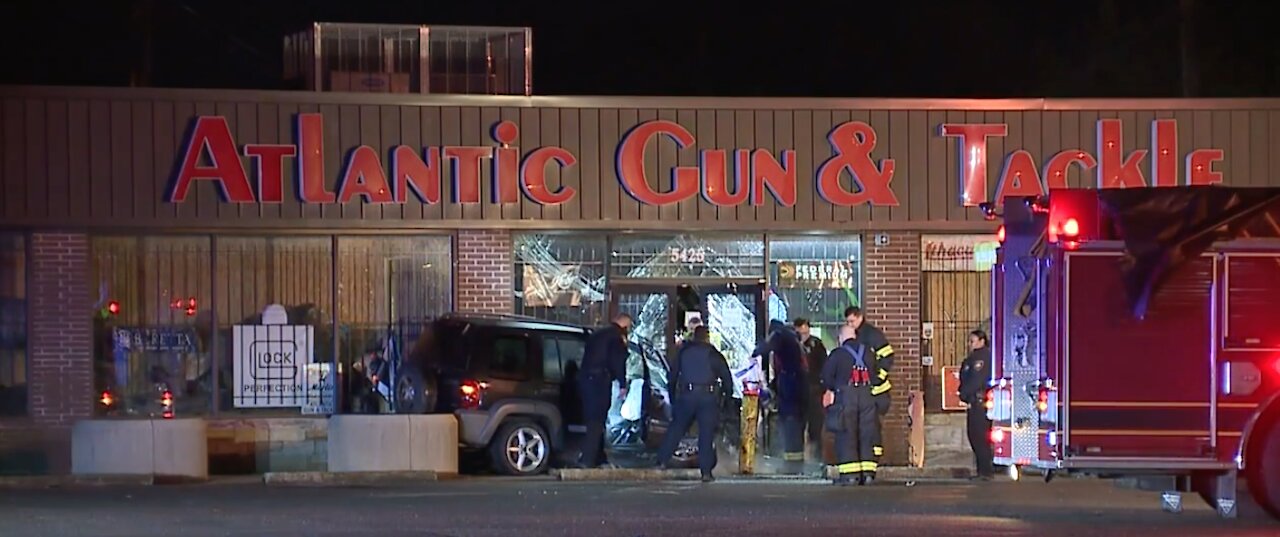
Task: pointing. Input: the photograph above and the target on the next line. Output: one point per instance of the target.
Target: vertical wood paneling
(784, 139)
(1129, 140)
(1221, 135)
(658, 180)
(997, 148)
(60, 195)
(1088, 142)
(591, 175)
(371, 135)
(165, 139)
(762, 137)
(1141, 127)
(451, 134)
(955, 211)
(549, 136)
(14, 180)
(937, 149)
(245, 128)
(666, 160)
(214, 203)
(1202, 136)
(121, 151)
(472, 136)
(706, 133)
(806, 174)
(410, 135)
(144, 176)
(530, 127)
(35, 159)
(431, 134)
(570, 177)
(102, 205)
(286, 123)
(863, 212)
(918, 158)
(492, 211)
(898, 141)
(610, 192)
(1258, 169)
(1238, 152)
(687, 210)
(744, 136)
(629, 208)
(1032, 141)
(1013, 142)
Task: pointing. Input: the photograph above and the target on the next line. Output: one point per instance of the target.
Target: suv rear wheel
(415, 393)
(521, 447)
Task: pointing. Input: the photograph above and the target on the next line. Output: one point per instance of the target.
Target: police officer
(815, 356)
(873, 338)
(792, 390)
(604, 362)
(975, 375)
(699, 378)
(851, 409)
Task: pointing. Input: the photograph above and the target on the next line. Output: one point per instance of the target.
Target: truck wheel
(1264, 467)
(415, 392)
(521, 447)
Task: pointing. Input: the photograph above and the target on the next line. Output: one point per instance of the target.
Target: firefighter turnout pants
(857, 430)
(750, 425)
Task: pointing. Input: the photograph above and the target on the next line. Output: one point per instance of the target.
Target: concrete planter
(153, 448)
(393, 443)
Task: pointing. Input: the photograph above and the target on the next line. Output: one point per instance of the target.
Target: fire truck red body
(1137, 333)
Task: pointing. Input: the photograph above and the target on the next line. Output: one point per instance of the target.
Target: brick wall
(484, 265)
(61, 339)
(892, 303)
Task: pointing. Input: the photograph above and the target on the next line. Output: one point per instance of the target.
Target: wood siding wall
(104, 157)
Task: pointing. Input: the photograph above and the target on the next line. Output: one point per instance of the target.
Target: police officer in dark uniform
(604, 362)
(815, 356)
(975, 377)
(791, 386)
(851, 409)
(874, 339)
(700, 376)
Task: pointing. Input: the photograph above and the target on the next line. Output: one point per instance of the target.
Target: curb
(346, 478)
(891, 474)
(95, 480)
(626, 474)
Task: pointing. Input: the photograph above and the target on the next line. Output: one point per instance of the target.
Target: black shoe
(842, 481)
(982, 477)
(867, 480)
(708, 478)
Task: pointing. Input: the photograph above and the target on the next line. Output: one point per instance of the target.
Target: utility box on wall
(381, 58)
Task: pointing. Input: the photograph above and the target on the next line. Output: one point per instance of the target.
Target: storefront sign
(141, 339)
(958, 253)
(815, 274)
(1114, 169)
(723, 177)
(269, 361)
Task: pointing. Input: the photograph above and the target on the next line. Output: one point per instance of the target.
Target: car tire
(1263, 473)
(415, 392)
(521, 447)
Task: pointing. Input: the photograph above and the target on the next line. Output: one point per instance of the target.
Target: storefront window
(388, 289)
(279, 358)
(815, 278)
(13, 325)
(688, 256)
(561, 277)
(151, 327)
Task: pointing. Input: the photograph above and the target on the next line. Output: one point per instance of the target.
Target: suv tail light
(469, 393)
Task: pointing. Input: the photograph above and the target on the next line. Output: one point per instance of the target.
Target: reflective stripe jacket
(873, 338)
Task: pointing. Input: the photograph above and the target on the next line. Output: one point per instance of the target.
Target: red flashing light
(113, 307)
(997, 436)
(470, 392)
(991, 399)
(1071, 228)
(1042, 401)
(106, 399)
(167, 399)
(1000, 234)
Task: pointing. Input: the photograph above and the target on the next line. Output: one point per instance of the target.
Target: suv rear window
(443, 344)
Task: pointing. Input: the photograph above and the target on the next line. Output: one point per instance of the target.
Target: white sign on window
(320, 395)
(270, 361)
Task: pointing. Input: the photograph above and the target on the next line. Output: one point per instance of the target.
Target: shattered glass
(561, 277)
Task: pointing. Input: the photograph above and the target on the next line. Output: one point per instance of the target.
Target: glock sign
(270, 362)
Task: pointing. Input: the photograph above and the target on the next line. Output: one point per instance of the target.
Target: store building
(178, 215)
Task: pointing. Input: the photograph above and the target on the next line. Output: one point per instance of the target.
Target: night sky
(896, 48)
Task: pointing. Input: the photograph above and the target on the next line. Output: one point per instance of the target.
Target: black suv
(512, 383)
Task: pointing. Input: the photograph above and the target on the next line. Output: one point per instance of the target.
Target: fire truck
(1136, 334)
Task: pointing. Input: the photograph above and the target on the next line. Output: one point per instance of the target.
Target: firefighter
(873, 338)
(975, 374)
(815, 356)
(699, 378)
(604, 362)
(851, 409)
(791, 387)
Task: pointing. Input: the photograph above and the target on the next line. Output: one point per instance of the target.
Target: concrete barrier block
(112, 447)
(378, 443)
(433, 443)
(181, 448)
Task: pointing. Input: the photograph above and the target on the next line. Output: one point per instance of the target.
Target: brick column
(892, 295)
(483, 268)
(61, 339)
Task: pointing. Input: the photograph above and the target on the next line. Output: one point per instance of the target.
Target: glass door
(648, 341)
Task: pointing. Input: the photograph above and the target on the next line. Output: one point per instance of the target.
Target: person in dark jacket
(603, 363)
(975, 377)
(700, 377)
(873, 338)
(851, 409)
(792, 385)
(815, 356)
